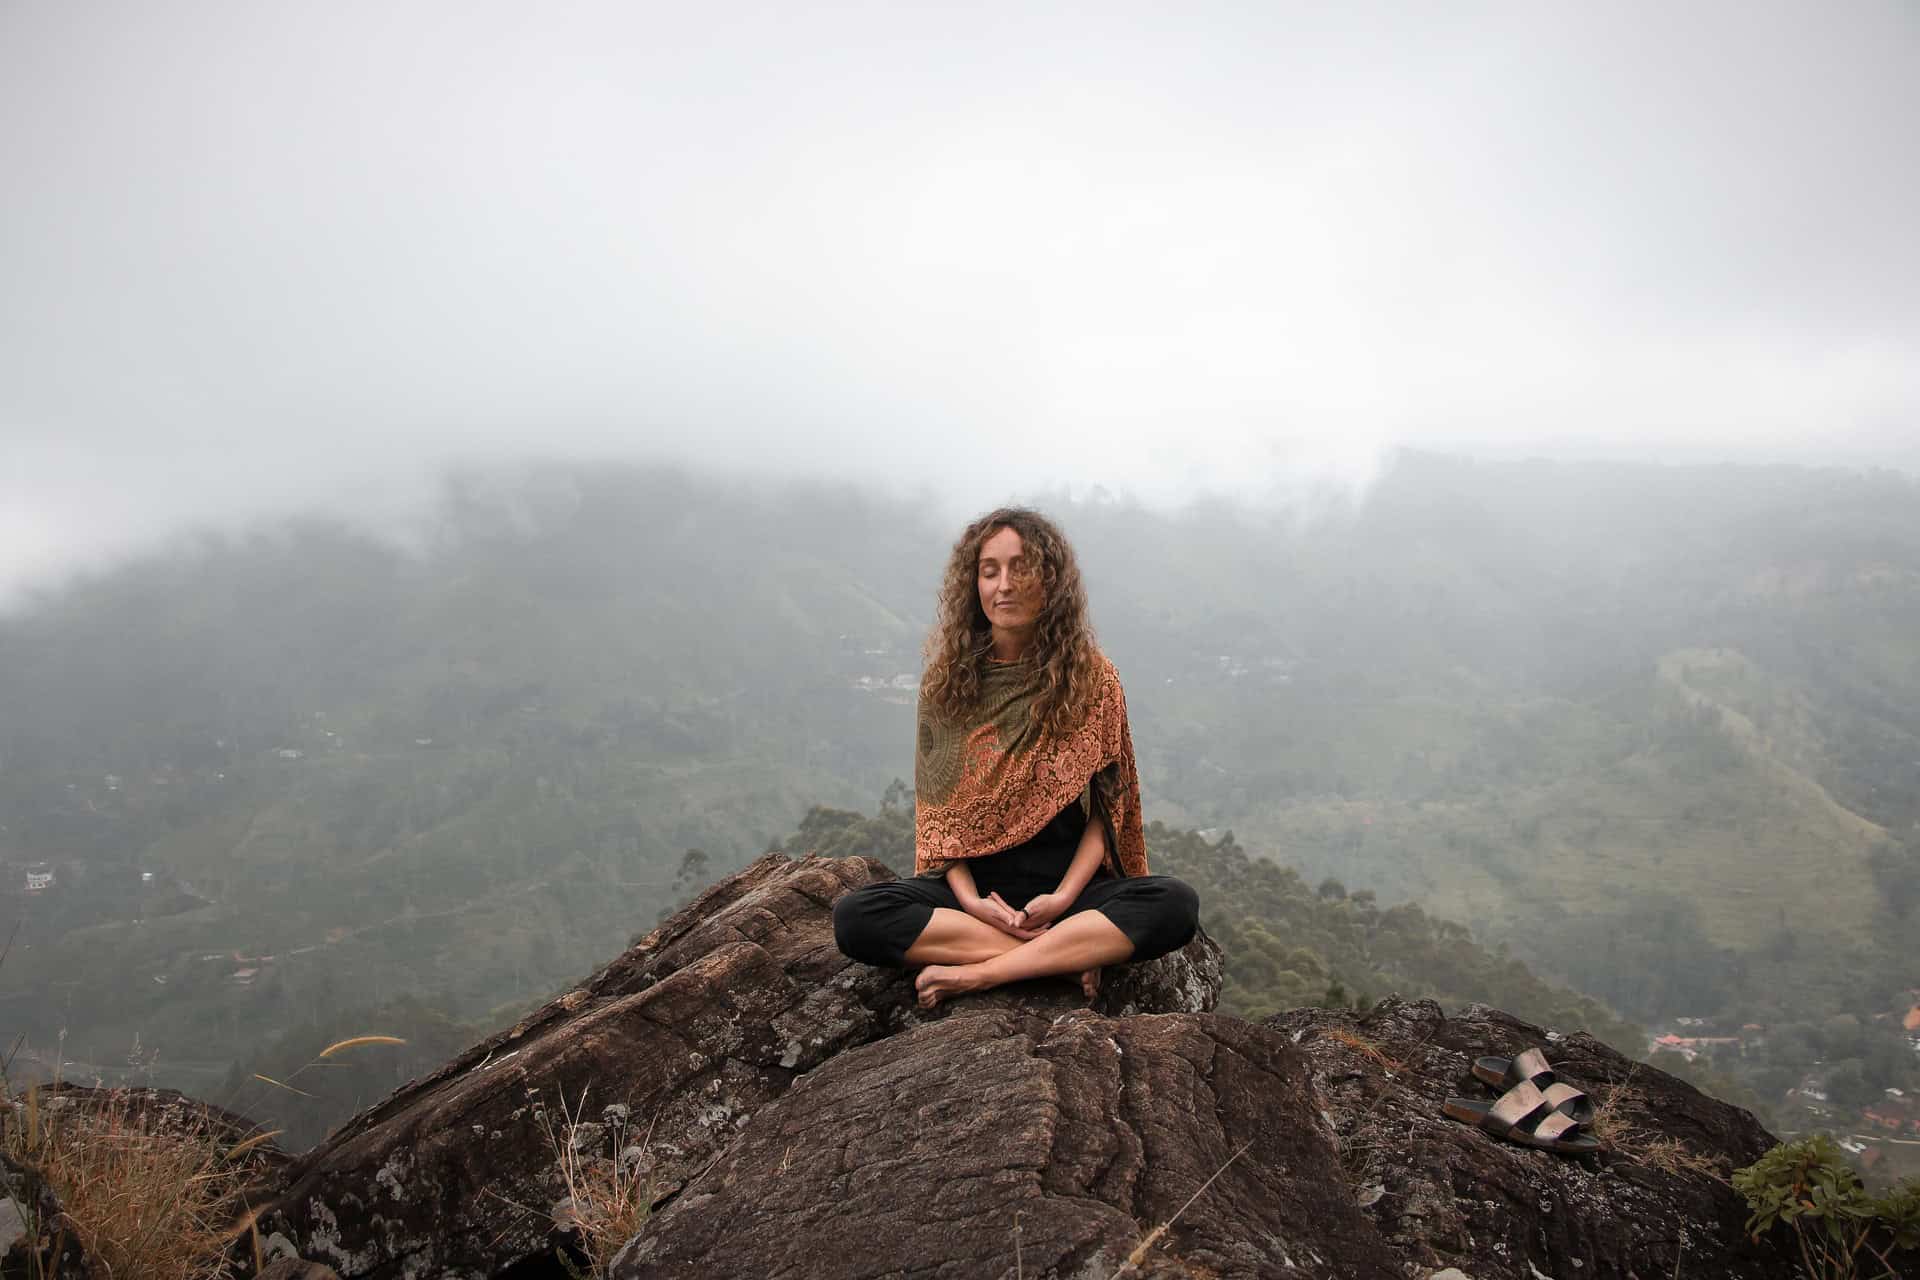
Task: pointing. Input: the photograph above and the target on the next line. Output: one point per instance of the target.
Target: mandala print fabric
(996, 781)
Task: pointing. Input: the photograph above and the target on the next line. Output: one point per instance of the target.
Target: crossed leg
(1081, 944)
(954, 937)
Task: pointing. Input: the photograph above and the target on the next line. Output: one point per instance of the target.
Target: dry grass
(1153, 1237)
(1366, 1048)
(1621, 1121)
(322, 1059)
(1354, 1155)
(151, 1189)
(148, 1201)
(608, 1195)
(1674, 1156)
(1614, 1109)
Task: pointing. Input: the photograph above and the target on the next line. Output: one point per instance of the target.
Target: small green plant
(1807, 1187)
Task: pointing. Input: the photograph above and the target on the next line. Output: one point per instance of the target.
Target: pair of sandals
(1535, 1111)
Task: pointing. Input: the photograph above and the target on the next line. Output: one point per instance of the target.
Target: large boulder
(661, 1061)
(999, 1143)
(1442, 1194)
(788, 1112)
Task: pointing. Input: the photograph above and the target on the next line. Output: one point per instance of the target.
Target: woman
(1029, 858)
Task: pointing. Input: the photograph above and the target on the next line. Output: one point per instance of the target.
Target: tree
(693, 867)
(1848, 1087)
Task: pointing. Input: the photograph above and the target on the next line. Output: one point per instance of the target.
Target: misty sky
(262, 254)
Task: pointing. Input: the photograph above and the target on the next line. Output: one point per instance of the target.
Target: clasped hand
(1024, 923)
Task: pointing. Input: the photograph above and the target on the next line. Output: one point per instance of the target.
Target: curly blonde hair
(1063, 645)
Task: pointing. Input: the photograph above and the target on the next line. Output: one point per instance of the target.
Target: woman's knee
(859, 926)
(1183, 910)
(851, 924)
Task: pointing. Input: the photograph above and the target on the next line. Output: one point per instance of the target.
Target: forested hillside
(1655, 730)
(1286, 944)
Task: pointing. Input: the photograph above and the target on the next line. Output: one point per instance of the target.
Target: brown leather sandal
(1524, 1116)
(1531, 1066)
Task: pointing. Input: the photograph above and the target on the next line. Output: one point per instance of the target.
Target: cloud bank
(265, 256)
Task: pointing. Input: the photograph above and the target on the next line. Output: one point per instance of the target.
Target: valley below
(1631, 748)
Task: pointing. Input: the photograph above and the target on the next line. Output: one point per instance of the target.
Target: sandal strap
(1517, 1108)
(1531, 1065)
(1556, 1126)
(1563, 1098)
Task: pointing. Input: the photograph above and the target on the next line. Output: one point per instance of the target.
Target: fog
(259, 257)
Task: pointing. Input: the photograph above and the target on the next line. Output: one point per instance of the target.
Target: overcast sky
(263, 254)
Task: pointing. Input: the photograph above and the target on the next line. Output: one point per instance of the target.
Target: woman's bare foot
(938, 981)
(1090, 982)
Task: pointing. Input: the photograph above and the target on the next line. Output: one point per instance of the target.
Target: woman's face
(1010, 593)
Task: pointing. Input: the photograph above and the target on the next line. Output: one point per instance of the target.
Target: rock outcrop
(294, 1269)
(791, 1113)
(1443, 1194)
(35, 1238)
(1001, 1144)
(662, 1060)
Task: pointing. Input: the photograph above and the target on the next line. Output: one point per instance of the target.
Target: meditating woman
(1029, 857)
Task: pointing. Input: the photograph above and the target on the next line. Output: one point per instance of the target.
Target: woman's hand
(1042, 911)
(994, 910)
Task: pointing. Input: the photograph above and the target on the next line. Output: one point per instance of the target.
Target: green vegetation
(1286, 944)
(1838, 1228)
(1289, 945)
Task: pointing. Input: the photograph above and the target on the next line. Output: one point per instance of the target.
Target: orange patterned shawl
(995, 782)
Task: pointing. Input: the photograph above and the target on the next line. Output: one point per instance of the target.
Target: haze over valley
(1655, 731)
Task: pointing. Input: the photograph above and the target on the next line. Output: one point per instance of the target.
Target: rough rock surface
(922, 1154)
(1443, 1194)
(35, 1240)
(795, 1114)
(999, 1144)
(662, 1060)
(294, 1269)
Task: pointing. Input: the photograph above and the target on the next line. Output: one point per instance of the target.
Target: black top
(1042, 860)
